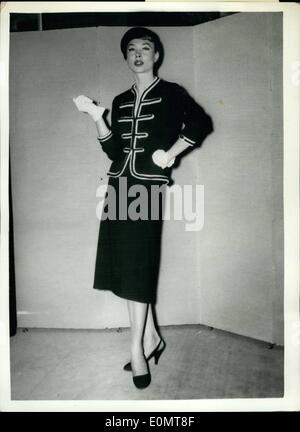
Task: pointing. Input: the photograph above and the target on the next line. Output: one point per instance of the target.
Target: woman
(151, 124)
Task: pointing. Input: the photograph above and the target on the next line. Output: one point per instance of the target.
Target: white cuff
(187, 140)
(105, 137)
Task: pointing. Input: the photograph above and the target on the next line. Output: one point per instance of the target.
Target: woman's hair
(141, 33)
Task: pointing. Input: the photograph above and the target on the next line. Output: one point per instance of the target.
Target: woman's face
(141, 55)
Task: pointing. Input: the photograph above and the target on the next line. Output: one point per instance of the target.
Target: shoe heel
(156, 358)
(157, 355)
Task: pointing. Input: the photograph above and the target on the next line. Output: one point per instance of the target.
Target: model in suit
(151, 124)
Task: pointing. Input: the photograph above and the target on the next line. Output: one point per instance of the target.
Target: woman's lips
(138, 63)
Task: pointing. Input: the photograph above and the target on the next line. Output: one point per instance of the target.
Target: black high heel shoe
(156, 353)
(142, 381)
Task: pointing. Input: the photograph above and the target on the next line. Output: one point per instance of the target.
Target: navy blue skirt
(129, 248)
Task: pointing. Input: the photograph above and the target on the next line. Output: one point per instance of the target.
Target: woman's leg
(137, 316)
(151, 336)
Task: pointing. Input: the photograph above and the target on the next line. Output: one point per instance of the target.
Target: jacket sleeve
(197, 123)
(110, 143)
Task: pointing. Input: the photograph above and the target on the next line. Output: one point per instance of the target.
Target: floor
(198, 363)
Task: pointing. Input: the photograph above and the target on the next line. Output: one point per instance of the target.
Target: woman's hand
(162, 159)
(86, 105)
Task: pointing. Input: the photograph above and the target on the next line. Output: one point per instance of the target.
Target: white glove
(86, 105)
(162, 159)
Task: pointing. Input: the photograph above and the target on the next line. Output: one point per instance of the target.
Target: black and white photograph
(145, 194)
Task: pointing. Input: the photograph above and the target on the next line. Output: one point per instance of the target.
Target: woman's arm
(178, 147)
(197, 125)
(102, 128)
(85, 104)
(105, 136)
(166, 159)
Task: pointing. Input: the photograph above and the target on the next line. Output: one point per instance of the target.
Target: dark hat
(140, 33)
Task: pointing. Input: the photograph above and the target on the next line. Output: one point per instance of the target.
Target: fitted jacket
(164, 113)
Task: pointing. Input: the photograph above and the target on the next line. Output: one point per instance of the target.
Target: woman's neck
(143, 81)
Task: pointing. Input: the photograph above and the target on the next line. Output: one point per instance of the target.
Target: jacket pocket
(118, 166)
(143, 165)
